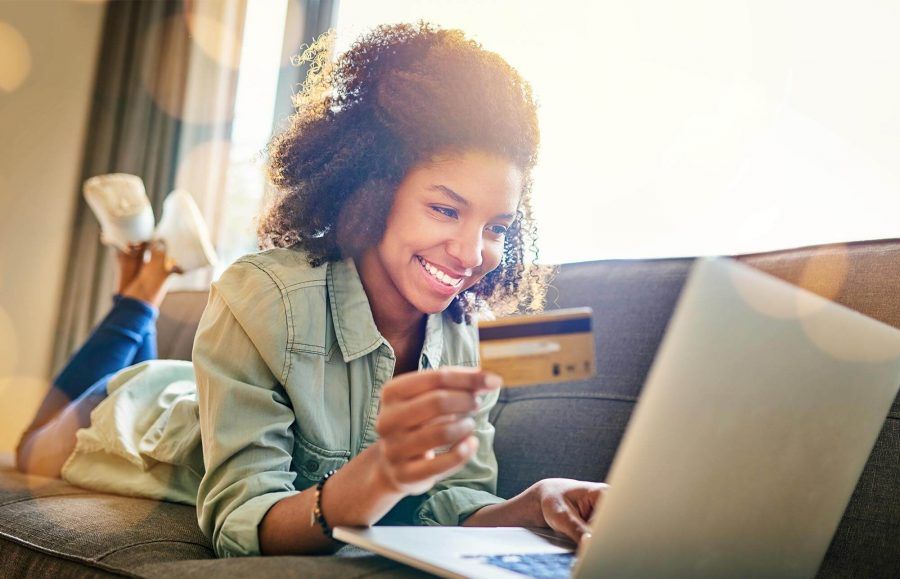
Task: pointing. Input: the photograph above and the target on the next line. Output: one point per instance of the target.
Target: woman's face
(446, 229)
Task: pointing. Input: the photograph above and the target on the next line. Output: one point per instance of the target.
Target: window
(696, 127)
(668, 129)
(251, 130)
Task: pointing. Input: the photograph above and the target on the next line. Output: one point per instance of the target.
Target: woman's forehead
(481, 176)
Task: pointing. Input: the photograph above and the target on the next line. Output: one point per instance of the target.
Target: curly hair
(399, 96)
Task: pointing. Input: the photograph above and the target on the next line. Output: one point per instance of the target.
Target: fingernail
(493, 380)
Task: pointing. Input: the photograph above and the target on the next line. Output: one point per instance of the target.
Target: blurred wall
(48, 58)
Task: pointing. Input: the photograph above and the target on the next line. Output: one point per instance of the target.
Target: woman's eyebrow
(451, 194)
(462, 200)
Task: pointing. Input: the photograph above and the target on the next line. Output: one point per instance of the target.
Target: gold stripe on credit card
(553, 346)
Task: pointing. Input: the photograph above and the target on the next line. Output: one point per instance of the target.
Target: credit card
(553, 346)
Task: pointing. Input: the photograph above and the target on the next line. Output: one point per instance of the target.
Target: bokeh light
(9, 344)
(759, 297)
(825, 272)
(833, 328)
(6, 194)
(22, 395)
(15, 58)
(214, 27)
(202, 169)
(852, 342)
(192, 100)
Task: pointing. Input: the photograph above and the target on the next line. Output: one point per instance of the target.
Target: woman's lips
(436, 284)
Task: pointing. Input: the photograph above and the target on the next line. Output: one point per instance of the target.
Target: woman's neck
(398, 321)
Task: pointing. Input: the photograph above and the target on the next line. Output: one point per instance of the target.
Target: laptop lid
(761, 408)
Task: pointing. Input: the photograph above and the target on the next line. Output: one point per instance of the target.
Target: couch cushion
(863, 275)
(49, 528)
(86, 532)
(178, 319)
(573, 429)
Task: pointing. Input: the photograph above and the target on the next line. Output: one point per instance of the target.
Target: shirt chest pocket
(320, 394)
(314, 461)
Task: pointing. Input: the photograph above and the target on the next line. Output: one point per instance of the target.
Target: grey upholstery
(177, 324)
(570, 430)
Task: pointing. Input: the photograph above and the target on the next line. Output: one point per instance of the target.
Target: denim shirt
(289, 367)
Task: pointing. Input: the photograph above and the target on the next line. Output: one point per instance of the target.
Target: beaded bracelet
(316, 516)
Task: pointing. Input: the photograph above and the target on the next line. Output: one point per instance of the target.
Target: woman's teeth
(438, 274)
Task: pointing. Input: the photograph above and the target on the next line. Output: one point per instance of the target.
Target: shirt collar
(433, 346)
(354, 325)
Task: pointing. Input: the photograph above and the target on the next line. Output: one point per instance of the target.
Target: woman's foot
(130, 262)
(150, 283)
(184, 232)
(122, 208)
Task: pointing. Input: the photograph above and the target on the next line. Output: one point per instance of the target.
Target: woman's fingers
(428, 437)
(592, 499)
(564, 518)
(410, 385)
(440, 466)
(408, 414)
(421, 412)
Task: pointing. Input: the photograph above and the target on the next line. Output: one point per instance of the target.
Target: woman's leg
(147, 351)
(45, 446)
(151, 287)
(81, 385)
(111, 347)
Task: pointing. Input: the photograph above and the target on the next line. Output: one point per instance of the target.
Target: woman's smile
(438, 279)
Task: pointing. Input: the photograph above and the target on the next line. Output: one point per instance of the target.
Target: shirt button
(312, 465)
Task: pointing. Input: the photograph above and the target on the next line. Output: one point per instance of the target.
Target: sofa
(50, 528)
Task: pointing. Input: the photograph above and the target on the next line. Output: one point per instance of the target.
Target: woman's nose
(466, 250)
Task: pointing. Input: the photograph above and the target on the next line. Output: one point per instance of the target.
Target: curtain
(165, 87)
(305, 22)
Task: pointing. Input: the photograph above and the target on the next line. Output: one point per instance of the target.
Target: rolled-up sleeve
(455, 498)
(246, 421)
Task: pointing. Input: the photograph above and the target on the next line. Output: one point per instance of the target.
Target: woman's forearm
(523, 510)
(356, 495)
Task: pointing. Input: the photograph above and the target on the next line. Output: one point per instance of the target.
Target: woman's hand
(563, 504)
(422, 412)
(567, 505)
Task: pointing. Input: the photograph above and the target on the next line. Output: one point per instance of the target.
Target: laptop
(756, 419)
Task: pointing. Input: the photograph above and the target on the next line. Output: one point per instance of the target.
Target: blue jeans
(126, 336)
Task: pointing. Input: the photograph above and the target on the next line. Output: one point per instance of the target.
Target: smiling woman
(345, 353)
(406, 97)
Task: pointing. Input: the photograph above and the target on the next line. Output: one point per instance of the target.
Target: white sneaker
(120, 204)
(184, 233)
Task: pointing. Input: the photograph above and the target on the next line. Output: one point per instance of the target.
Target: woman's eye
(448, 211)
(498, 229)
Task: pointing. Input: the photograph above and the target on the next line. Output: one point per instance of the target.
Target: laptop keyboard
(542, 565)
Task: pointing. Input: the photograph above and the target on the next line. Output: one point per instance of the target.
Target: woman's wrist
(523, 510)
(361, 495)
(380, 479)
(355, 496)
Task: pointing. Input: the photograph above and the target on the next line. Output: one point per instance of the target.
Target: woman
(336, 373)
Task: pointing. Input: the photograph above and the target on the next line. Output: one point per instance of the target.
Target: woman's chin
(433, 307)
